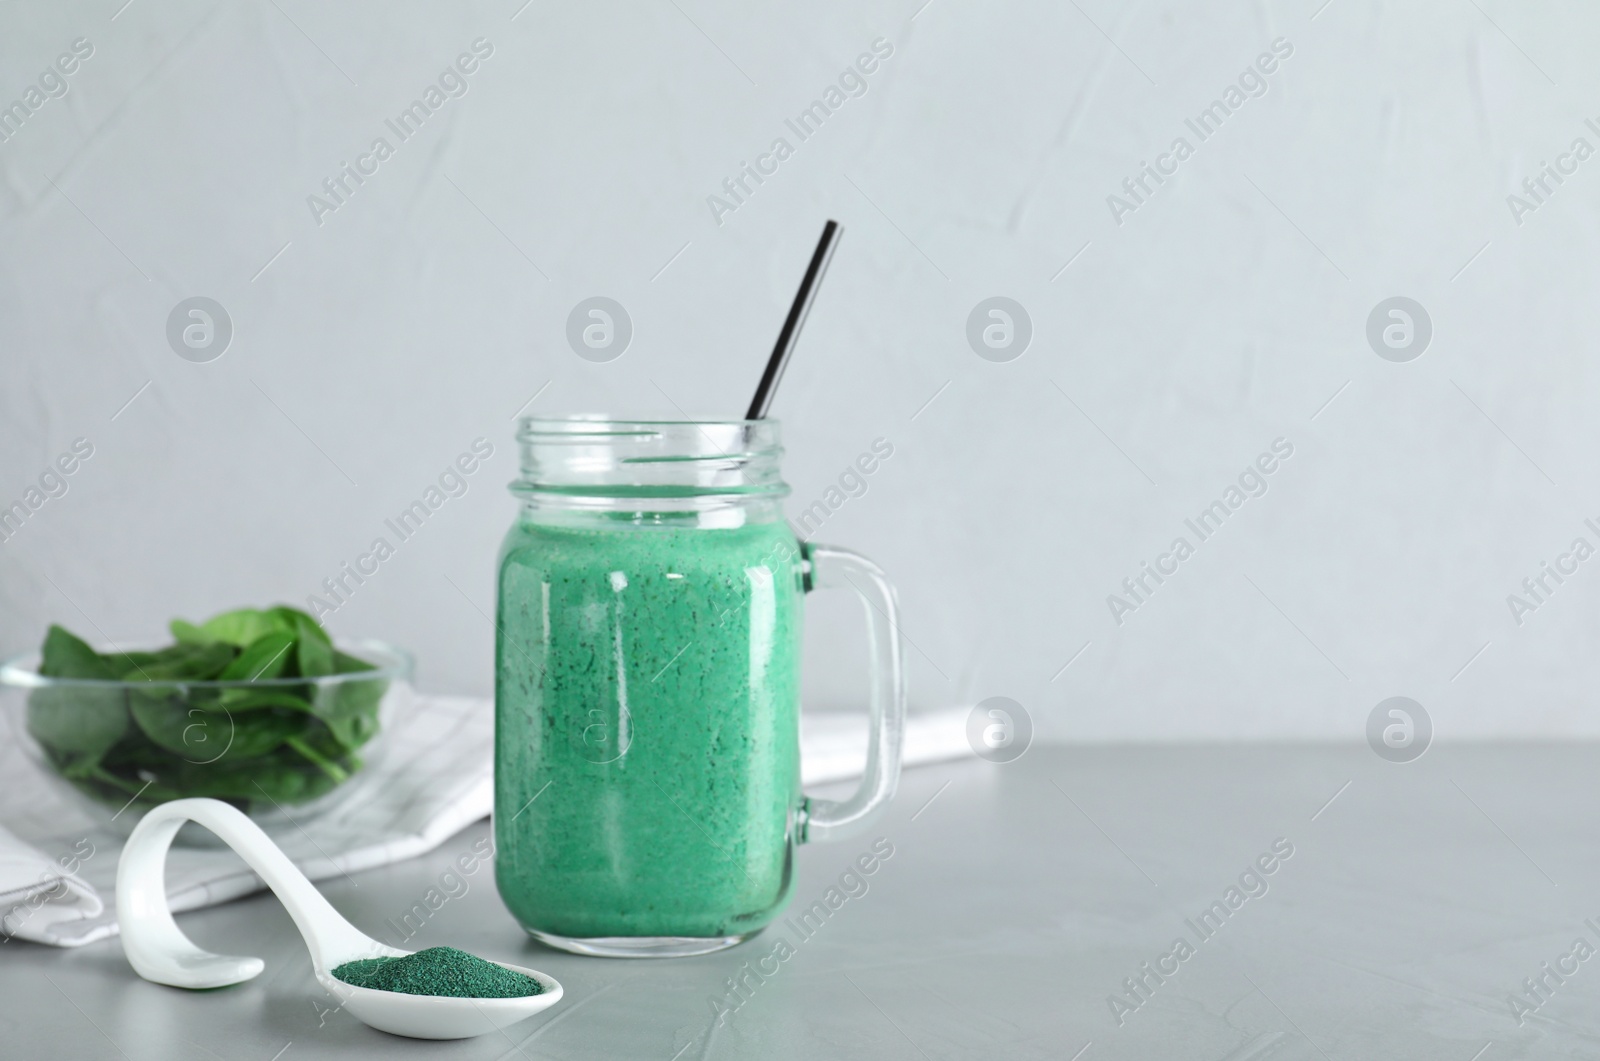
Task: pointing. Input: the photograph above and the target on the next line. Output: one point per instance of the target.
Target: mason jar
(647, 686)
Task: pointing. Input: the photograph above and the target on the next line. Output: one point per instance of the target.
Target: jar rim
(591, 425)
(624, 460)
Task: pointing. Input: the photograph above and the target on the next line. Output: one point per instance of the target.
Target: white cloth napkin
(58, 869)
(36, 892)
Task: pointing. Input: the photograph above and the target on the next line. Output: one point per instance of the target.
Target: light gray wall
(1226, 311)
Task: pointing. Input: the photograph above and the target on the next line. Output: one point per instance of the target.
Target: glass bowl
(283, 750)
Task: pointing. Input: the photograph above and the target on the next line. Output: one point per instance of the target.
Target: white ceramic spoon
(159, 951)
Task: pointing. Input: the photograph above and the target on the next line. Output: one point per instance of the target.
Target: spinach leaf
(264, 658)
(122, 663)
(189, 634)
(258, 732)
(252, 699)
(67, 656)
(351, 710)
(284, 778)
(313, 651)
(295, 619)
(172, 724)
(323, 762)
(239, 628)
(347, 664)
(195, 663)
(84, 719)
(136, 759)
(325, 742)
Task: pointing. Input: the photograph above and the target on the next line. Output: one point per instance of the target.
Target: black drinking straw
(794, 322)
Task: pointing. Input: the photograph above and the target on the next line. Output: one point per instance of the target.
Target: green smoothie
(647, 767)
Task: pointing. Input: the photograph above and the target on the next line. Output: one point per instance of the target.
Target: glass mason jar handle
(829, 567)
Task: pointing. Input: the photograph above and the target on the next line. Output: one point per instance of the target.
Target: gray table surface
(1019, 898)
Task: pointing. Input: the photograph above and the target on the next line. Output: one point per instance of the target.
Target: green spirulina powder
(439, 971)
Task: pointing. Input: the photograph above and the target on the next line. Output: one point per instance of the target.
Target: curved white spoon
(159, 951)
